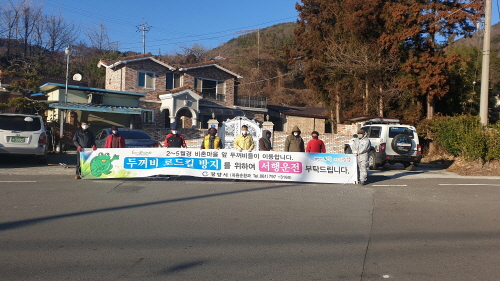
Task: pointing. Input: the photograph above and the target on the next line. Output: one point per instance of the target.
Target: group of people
(360, 144)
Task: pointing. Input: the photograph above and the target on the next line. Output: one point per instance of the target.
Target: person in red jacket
(174, 139)
(316, 145)
(115, 140)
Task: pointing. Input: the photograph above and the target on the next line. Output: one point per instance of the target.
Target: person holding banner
(294, 142)
(83, 139)
(360, 147)
(315, 145)
(212, 141)
(115, 140)
(174, 139)
(244, 141)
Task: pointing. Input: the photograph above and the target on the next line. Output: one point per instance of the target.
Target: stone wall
(334, 142)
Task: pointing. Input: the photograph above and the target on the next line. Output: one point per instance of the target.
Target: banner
(223, 164)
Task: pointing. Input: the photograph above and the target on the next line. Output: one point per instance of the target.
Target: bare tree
(10, 19)
(58, 32)
(29, 14)
(98, 37)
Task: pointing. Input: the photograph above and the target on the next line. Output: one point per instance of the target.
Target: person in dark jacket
(115, 140)
(212, 141)
(315, 145)
(174, 139)
(265, 141)
(294, 142)
(83, 139)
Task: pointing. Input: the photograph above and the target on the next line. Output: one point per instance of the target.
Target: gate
(232, 127)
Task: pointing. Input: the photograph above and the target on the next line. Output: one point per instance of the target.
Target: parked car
(23, 134)
(133, 138)
(392, 143)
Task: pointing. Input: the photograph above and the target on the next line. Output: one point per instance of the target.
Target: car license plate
(17, 139)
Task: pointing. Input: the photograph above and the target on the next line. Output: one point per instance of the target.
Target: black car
(133, 138)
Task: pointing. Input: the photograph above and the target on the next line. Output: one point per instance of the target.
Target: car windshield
(394, 131)
(134, 135)
(19, 123)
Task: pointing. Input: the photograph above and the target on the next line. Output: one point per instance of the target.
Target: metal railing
(214, 96)
(250, 101)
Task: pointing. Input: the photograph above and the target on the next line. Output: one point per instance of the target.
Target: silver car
(23, 134)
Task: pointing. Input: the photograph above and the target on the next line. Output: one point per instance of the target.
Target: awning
(96, 108)
(221, 111)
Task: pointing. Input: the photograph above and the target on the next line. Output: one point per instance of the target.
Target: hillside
(260, 57)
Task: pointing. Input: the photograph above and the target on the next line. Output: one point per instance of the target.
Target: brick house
(184, 96)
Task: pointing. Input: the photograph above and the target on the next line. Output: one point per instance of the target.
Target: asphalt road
(422, 225)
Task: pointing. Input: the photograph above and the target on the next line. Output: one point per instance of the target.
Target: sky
(173, 24)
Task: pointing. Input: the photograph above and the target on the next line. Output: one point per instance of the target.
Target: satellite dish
(77, 77)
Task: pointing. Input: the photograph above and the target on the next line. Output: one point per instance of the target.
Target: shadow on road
(28, 222)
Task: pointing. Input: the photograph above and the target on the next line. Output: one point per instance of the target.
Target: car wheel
(42, 159)
(372, 165)
(401, 144)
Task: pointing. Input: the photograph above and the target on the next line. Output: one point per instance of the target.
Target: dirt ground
(465, 167)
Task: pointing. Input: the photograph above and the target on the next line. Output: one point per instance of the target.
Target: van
(23, 134)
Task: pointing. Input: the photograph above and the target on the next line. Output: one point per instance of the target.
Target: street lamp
(68, 52)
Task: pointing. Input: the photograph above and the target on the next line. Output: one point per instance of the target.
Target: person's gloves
(80, 148)
(94, 147)
(249, 150)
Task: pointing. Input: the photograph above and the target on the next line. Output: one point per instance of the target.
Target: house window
(147, 116)
(173, 80)
(211, 89)
(145, 80)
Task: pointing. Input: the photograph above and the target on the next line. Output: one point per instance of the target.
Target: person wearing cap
(360, 146)
(244, 141)
(211, 141)
(174, 139)
(315, 145)
(83, 138)
(115, 140)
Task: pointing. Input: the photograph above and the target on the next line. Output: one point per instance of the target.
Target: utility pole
(144, 27)
(485, 73)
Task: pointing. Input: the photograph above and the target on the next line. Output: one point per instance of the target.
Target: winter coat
(210, 142)
(244, 142)
(109, 141)
(316, 146)
(265, 142)
(84, 138)
(294, 143)
(176, 140)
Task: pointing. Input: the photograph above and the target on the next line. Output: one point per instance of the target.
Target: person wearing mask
(294, 142)
(115, 140)
(315, 145)
(211, 141)
(174, 139)
(265, 141)
(82, 139)
(244, 141)
(360, 146)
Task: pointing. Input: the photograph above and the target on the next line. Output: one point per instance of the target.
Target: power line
(144, 27)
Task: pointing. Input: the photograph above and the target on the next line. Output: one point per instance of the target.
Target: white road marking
(18, 181)
(389, 185)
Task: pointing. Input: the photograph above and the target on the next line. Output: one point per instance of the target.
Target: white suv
(392, 143)
(23, 134)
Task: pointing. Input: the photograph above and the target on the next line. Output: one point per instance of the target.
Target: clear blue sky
(174, 24)
(181, 23)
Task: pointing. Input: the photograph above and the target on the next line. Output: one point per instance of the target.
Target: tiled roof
(208, 64)
(113, 63)
(313, 112)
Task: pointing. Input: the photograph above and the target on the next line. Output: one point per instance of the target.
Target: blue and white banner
(223, 164)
